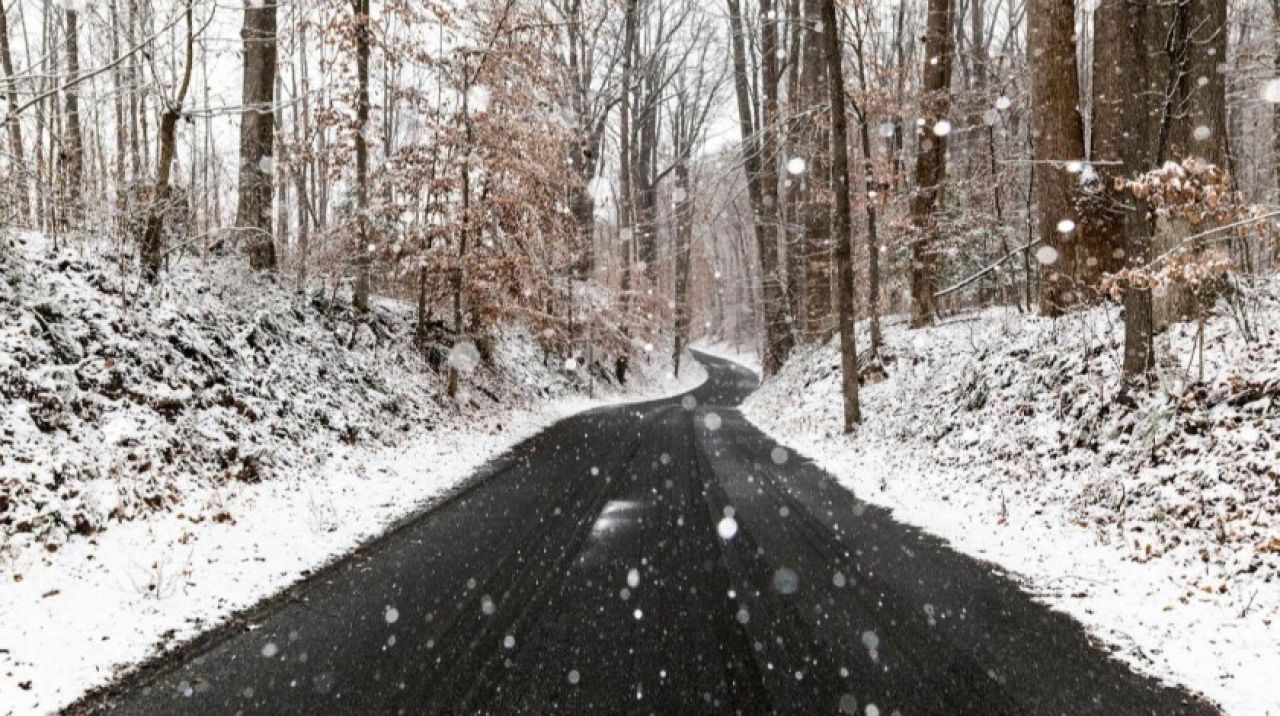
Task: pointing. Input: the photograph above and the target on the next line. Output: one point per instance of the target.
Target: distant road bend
(664, 558)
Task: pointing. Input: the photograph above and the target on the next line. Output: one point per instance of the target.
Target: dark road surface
(592, 571)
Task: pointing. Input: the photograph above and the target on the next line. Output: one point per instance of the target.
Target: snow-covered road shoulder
(1194, 603)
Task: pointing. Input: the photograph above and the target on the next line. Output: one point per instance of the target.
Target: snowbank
(167, 460)
(1154, 521)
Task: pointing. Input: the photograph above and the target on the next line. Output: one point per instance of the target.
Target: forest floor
(171, 457)
(1153, 521)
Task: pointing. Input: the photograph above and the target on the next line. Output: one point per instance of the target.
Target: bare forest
(1013, 263)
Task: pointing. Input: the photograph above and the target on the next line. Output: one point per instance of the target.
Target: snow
(478, 99)
(349, 443)
(1270, 91)
(1157, 526)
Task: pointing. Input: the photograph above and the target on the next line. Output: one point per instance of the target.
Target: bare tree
(153, 243)
(18, 176)
(592, 95)
(695, 93)
(872, 189)
(760, 161)
(1057, 132)
(931, 162)
(257, 133)
(1275, 111)
(364, 259)
(814, 140)
(73, 152)
(841, 219)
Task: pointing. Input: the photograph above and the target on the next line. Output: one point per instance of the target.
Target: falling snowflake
(872, 642)
(727, 527)
(1202, 133)
(1003, 103)
(942, 128)
(478, 99)
(1047, 255)
(1066, 226)
(1271, 91)
(464, 357)
(785, 581)
(796, 166)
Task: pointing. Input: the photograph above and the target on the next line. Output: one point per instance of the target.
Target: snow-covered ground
(1157, 525)
(168, 460)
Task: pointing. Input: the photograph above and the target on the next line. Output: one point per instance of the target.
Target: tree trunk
(464, 228)
(869, 183)
(1119, 128)
(1058, 138)
(257, 134)
(302, 135)
(626, 202)
(118, 94)
(1275, 110)
(1139, 319)
(74, 161)
(931, 163)
(1192, 118)
(645, 184)
(1127, 70)
(814, 209)
(841, 219)
(18, 166)
(684, 248)
(1201, 128)
(133, 81)
(778, 336)
(153, 243)
(362, 253)
(793, 202)
(873, 239)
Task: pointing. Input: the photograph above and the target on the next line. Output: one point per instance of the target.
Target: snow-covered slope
(169, 457)
(1154, 519)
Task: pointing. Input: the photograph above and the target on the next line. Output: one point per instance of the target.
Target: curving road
(592, 570)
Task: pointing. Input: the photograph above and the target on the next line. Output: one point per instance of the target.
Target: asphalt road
(592, 570)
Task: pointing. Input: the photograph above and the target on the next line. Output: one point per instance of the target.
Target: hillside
(1011, 436)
